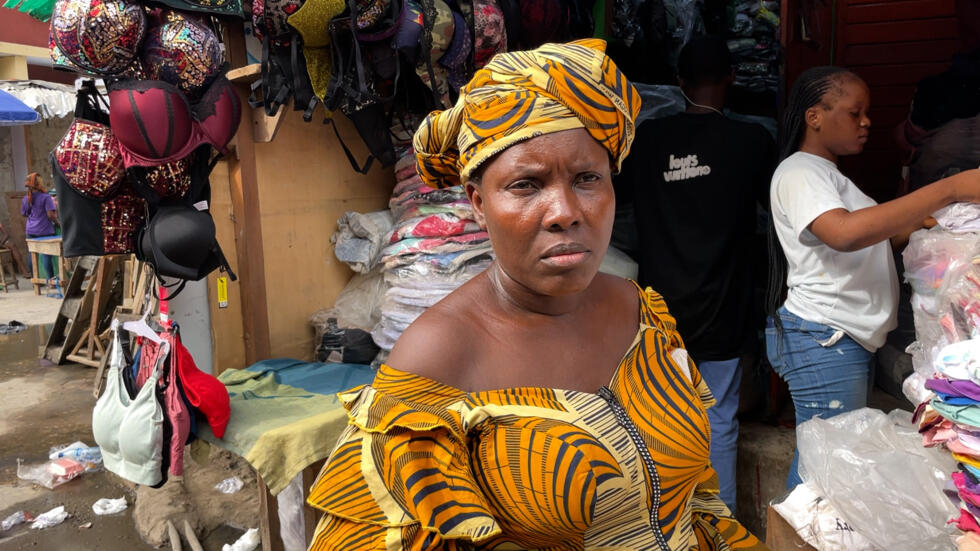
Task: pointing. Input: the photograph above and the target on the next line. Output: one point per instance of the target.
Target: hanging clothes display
(143, 435)
(170, 115)
(129, 431)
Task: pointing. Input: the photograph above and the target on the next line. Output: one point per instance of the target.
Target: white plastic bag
(229, 485)
(53, 517)
(818, 523)
(106, 506)
(292, 524)
(874, 471)
(959, 217)
(14, 519)
(249, 541)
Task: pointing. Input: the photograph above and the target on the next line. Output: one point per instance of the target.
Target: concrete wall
(6, 173)
(41, 139)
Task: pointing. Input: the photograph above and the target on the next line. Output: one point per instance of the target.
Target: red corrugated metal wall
(891, 44)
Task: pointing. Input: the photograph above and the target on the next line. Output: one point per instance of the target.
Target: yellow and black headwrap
(521, 95)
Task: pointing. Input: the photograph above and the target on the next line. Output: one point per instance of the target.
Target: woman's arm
(847, 231)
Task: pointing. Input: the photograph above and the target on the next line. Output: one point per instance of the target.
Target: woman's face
(548, 205)
(841, 119)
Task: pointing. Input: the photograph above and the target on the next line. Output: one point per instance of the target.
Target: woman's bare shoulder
(438, 345)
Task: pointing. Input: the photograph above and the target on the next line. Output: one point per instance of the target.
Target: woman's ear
(814, 117)
(475, 195)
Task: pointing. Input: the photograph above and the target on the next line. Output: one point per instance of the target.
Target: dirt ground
(23, 305)
(48, 406)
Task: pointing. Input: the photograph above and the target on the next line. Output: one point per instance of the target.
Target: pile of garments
(943, 268)
(132, 170)
(434, 247)
(753, 30)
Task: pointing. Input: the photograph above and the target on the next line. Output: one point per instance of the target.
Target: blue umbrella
(13, 112)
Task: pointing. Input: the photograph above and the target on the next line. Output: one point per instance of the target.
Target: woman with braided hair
(833, 288)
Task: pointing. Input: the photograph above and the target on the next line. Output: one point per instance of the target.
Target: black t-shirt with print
(695, 181)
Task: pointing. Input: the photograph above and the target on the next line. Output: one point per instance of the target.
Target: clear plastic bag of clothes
(874, 471)
(931, 258)
(930, 253)
(358, 305)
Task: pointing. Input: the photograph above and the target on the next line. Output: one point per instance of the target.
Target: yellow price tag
(222, 292)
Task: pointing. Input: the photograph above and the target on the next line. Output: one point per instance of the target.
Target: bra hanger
(143, 329)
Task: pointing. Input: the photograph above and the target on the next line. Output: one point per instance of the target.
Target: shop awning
(50, 99)
(14, 112)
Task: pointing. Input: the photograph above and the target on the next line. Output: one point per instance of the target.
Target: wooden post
(269, 521)
(248, 220)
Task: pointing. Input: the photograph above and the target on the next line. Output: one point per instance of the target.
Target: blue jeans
(723, 378)
(824, 379)
(47, 261)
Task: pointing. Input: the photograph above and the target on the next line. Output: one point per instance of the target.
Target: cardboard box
(780, 536)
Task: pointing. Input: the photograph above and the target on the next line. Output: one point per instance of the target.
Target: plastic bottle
(79, 452)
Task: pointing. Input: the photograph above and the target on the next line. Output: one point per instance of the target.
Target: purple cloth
(36, 212)
(967, 389)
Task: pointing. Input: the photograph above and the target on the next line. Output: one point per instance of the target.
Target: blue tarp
(13, 112)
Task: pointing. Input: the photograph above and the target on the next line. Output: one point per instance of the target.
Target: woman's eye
(521, 185)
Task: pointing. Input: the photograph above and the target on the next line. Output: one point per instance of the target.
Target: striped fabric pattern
(521, 95)
(426, 466)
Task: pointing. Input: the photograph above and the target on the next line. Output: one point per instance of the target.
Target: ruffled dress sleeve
(714, 526)
(399, 477)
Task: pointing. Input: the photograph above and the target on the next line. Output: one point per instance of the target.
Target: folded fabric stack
(941, 267)
(434, 247)
(754, 43)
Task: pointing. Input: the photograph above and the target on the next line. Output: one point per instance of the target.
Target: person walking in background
(42, 214)
(696, 179)
(833, 287)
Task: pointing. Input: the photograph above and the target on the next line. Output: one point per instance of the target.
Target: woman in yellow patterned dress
(542, 405)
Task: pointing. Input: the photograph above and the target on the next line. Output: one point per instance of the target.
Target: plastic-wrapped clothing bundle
(435, 225)
(396, 253)
(433, 246)
(934, 259)
(360, 237)
(899, 504)
(941, 266)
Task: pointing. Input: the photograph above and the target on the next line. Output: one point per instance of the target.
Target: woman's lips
(566, 260)
(566, 254)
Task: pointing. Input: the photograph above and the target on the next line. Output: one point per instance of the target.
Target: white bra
(130, 432)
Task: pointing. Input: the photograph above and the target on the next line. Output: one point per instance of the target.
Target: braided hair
(810, 89)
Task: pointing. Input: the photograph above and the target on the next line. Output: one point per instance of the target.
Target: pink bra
(155, 124)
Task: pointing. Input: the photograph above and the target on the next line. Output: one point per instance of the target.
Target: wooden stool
(8, 272)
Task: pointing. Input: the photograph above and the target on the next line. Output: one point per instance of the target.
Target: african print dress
(423, 465)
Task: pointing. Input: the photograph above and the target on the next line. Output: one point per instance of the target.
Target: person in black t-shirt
(695, 179)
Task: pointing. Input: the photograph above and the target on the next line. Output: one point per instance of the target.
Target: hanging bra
(100, 36)
(181, 50)
(155, 124)
(130, 432)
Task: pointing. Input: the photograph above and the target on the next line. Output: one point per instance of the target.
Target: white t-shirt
(856, 292)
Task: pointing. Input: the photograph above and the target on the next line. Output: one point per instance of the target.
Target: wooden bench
(45, 245)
